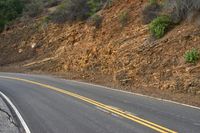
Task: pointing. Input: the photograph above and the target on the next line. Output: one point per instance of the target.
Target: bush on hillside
(123, 18)
(51, 3)
(9, 10)
(70, 10)
(2, 24)
(76, 10)
(150, 11)
(159, 26)
(192, 56)
(96, 20)
(94, 6)
(182, 8)
(152, 2)
(34, 8)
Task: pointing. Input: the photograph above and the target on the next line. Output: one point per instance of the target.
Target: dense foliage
(192, 56)
(182, 8)
(159, 26)
(150, 11)
(96, 21)
(9, 10)
(76, 10)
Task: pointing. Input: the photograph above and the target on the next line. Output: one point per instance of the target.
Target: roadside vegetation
(34, 8)
(150, 11)
(96, 20)
(12, 9)
(162, 15)
(77, 10)
(123, 18)
(80, 10)
(159, 26)
(65, 11)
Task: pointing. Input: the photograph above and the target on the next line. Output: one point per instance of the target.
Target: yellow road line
(114, 110)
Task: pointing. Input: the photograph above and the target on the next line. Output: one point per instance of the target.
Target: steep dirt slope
(127, 54)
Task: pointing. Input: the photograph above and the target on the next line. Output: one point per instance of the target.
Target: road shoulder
(7, 123)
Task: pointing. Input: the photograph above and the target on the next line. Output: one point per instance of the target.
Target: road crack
(10, 118)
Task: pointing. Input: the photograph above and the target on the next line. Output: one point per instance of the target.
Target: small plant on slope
(9, 10)
(151, 2)
(94, 6)
(192, 56)
(96, 20)
(159, 26)
(123, 18)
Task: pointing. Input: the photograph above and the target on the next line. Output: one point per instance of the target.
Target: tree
(9, 10)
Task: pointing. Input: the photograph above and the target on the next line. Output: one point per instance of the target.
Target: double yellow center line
(110, 109)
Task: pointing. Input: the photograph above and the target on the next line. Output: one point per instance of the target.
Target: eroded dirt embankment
(124, 58)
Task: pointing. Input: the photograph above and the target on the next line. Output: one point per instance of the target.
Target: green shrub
(159, 26)
(2, 24)
(150, 12)
(9, 10)
(151, 2)
(51, 3)
(123, 18)
(71, 10)
(192, 56)
(76, 10)
(34, 8)
(94, 6)
(96, 20)
(182, 8)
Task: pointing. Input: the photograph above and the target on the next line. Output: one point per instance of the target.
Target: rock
(20, 50)
(33, 45)
(122, 77)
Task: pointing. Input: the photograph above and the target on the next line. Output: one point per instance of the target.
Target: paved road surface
(53, 105)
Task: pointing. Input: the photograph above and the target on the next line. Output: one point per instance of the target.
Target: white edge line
(137, 94)
(127, 92)
(17, 113)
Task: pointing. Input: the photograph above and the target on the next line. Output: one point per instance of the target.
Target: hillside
(124, 57)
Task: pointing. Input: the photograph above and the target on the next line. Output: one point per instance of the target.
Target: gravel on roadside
(7, 124)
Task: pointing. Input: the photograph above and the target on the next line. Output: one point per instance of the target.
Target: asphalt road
(53, 105)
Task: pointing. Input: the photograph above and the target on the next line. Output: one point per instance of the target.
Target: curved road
(53, 105)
